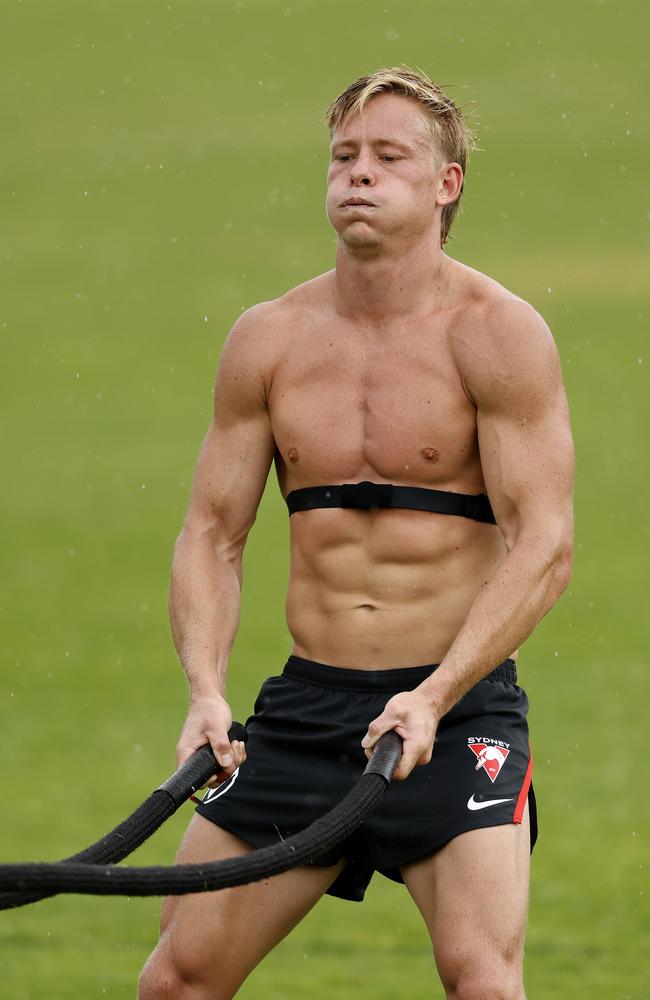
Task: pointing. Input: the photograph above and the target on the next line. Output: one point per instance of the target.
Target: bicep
(237, 451)
(528, 468)
(525, 440)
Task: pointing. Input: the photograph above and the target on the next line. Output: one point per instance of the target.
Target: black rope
(104, 879)
(144, 821)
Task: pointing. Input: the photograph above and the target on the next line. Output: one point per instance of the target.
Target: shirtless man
(401, 366)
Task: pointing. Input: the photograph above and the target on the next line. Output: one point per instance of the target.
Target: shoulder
(493, 315)
(267, 326)
(501, 343)
(261, 337)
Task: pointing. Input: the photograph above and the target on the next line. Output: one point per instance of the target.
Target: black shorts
(304, 754)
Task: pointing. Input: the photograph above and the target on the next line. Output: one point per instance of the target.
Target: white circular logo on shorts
(214, 793)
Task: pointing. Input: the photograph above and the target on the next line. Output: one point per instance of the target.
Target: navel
(430, 454)
(293, 455)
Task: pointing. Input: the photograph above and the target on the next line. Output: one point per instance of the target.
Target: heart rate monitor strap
(374, 496)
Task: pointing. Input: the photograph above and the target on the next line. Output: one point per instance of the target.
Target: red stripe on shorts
(523, 794)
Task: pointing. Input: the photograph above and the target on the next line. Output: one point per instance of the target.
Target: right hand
(208, 720)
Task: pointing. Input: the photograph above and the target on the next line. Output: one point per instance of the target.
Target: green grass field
(163, 168)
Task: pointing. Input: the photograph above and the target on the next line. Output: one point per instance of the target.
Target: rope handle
(385, 756)
(197, 769)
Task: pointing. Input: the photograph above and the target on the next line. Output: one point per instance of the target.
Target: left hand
(412, 717)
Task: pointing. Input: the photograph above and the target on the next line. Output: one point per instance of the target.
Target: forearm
(204, 608)
(505, 613)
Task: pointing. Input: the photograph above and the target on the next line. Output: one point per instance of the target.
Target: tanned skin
(405, 366)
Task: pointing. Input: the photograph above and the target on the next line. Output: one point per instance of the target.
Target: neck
(379, 284)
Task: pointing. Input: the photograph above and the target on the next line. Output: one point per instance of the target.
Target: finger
(223, 751)
(238, 752)
(182, 753)
(382, 724)
(411, 755)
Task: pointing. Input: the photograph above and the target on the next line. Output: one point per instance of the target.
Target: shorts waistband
(394, 679)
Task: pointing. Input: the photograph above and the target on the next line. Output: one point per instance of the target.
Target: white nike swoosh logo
(472, 804)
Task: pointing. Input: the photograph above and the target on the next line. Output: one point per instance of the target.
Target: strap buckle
(366, 495)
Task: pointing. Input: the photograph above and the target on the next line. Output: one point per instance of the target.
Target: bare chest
(347, 405)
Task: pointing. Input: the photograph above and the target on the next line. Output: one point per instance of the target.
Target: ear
(450, 183)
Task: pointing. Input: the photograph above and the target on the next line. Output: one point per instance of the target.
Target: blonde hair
(446, 121)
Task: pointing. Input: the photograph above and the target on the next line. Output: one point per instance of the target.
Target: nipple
(430, 454)
(293, 455)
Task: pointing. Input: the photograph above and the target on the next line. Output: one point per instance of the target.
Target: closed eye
(387, 157)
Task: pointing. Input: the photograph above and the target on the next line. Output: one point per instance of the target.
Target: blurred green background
(163, 168)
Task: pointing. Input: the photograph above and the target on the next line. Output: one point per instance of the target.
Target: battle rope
(89, 872)
(147, 818)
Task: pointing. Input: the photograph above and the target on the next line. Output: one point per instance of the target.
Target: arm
(515, 380)
(229, 480)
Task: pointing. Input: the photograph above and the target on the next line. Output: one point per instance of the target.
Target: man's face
(384, 157)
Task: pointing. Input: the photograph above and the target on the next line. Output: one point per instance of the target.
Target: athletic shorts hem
(256, 842)
(392, 871)
(253, 842)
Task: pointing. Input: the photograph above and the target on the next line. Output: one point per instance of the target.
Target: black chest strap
(370, 496)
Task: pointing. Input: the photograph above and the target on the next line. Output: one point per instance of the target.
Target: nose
(362, 172)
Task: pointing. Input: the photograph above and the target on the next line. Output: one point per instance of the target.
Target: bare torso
(383, 588)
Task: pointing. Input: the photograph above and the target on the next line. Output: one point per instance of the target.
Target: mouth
(357, 202)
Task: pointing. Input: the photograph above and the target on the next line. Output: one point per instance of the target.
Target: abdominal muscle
(371, 590)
